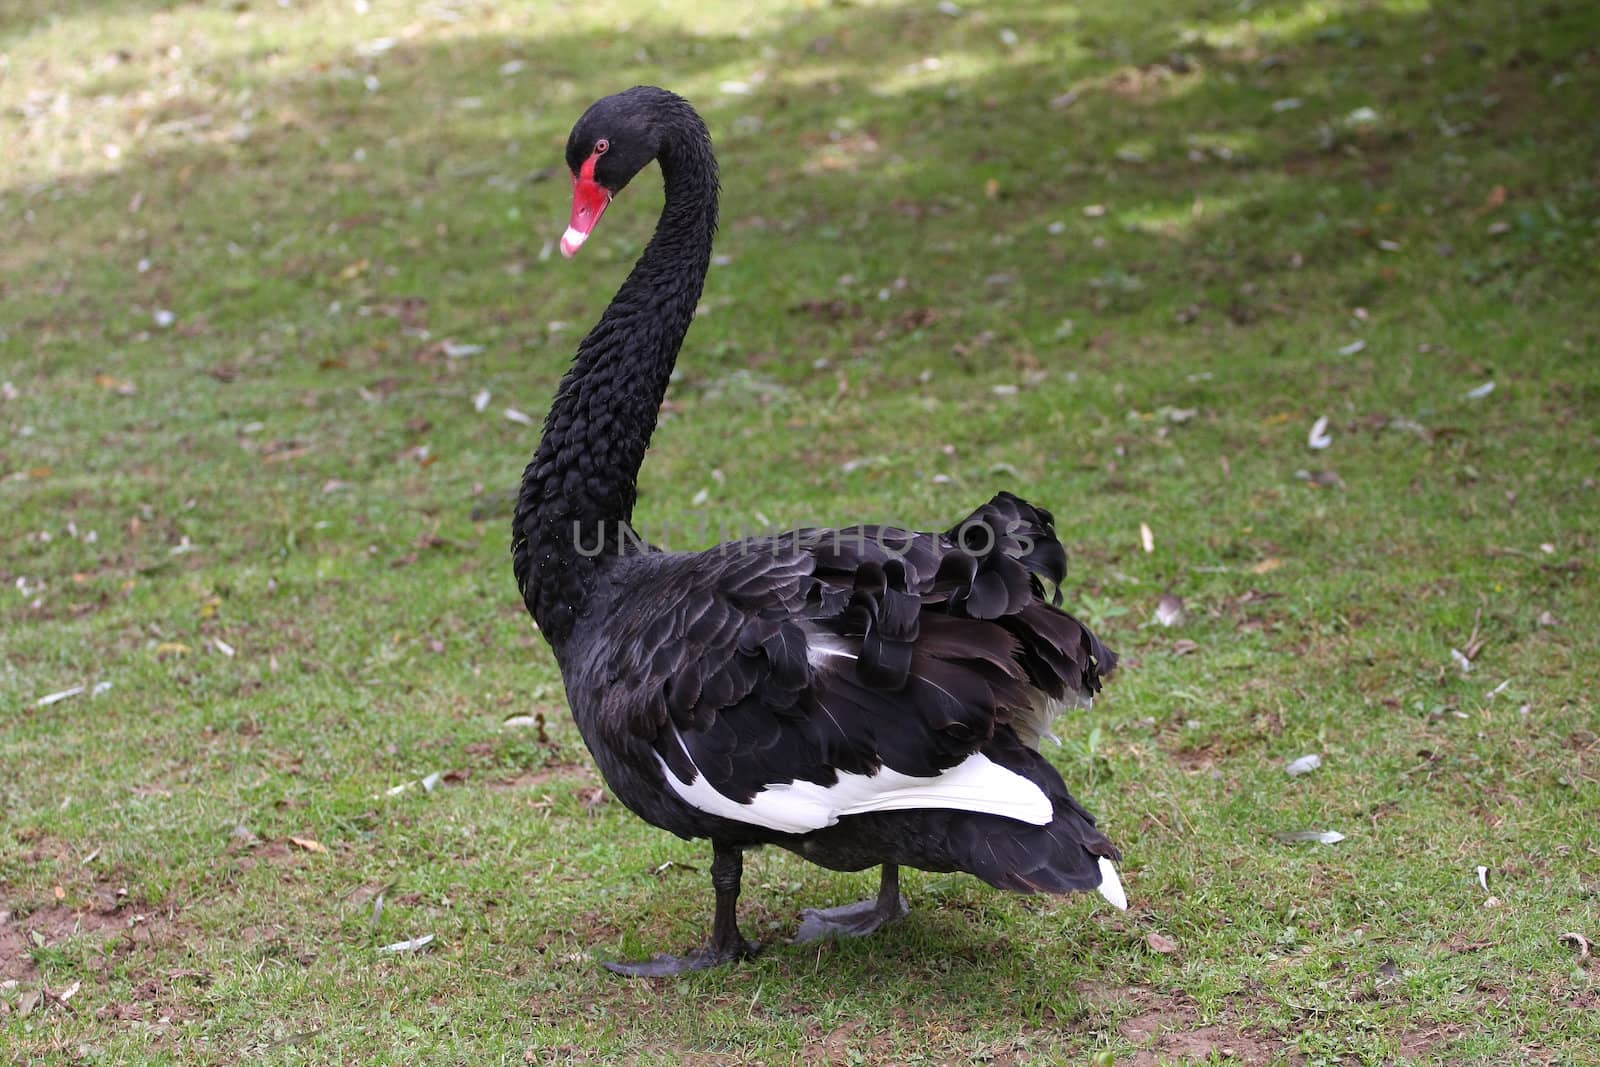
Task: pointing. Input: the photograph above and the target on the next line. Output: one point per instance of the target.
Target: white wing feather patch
(1111, 885)
(976, 784)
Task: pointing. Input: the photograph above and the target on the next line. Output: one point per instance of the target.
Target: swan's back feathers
(791, 681)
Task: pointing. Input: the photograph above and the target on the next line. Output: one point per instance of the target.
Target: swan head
(614, 140)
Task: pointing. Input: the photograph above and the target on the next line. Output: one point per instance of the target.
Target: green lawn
(273, 271)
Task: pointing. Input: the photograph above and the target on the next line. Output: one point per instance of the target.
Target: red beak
(589, 202)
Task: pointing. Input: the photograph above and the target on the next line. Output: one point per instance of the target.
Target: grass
(1117, 258)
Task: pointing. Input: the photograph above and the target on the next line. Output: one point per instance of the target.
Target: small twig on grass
(1475, 640)
(60, 999)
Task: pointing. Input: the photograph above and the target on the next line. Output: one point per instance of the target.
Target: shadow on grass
(1226, 150)
(19, 18)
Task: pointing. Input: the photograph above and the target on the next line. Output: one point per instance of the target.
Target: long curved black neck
(577, 495)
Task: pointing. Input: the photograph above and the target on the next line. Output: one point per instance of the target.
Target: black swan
(861, 696)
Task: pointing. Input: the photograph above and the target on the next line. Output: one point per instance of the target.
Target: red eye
(601, 145)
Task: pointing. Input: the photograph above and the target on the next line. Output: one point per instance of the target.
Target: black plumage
(862, 696)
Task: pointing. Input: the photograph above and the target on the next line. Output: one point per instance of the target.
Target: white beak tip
(571, 241)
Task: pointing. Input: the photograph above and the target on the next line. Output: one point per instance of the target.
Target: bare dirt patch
(836, 1045)
(556, 772)
(1420, 1045)
(1167, 1029)
(155, 999)
(16, 962)
(1196, 760)
(1202, 1044)
(278, 853)
(48, 928)
(130, 923)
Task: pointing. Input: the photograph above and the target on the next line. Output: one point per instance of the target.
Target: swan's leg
(859, 919)
(727, 943)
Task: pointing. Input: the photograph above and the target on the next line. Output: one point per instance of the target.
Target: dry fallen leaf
(1147, 539)
(1184, 646)
(1161, 943)
(1271, 563)
(1495, 200)
(115, 385)
(310, 844)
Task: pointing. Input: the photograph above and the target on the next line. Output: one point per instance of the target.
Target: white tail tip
(1111, 885)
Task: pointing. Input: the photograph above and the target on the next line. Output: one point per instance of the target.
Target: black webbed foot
(848, 920)
(727, 944)
(701, 959)
(858, 919)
